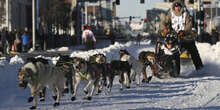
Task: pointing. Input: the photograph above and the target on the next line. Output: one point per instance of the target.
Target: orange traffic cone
(13, 49)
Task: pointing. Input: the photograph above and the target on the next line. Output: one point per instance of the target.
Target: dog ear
(19, 70)
(29, 70)
(59, 54)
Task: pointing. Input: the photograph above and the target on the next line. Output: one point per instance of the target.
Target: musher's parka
(166, 22)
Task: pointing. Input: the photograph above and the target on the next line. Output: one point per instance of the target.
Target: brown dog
(148, 59)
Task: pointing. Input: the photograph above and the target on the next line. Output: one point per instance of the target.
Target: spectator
(17, 41)
(1, 48)
(138, 39)
(4, 36)
(112, 36)
(25, 41)
(214, 36)
(88, 38)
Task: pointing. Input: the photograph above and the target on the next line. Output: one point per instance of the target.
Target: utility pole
(199, 22)
(210, 27)
(7, 14)
(216, 12)
(100, 9)
(37, 15)
(33, 24)
(113, 16)
(86, 14)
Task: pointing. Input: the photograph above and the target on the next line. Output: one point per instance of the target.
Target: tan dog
(38, 75)
(148, 59)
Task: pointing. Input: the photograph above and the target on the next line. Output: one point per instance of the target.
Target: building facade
(17, 14)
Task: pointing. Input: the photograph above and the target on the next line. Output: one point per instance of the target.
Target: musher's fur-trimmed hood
(182, 9)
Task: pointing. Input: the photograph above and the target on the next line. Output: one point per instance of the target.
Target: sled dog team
(68, 72)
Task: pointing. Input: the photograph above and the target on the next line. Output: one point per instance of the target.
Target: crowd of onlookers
(21, 41)
(14, 41)
(211, 38)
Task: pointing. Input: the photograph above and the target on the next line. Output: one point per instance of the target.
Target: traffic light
(117, 2)
(145, 20)
(130, 18)
(142, 1)
(191, 1)
(202, 15)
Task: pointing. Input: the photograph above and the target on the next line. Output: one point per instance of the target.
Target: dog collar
(34, 76)
(84, 75)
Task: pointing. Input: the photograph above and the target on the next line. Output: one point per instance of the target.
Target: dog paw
(56, 104)
(120, 81)
(149, 79)
(133, 80)
(99, 91)
(143, 81)
(105, 84)
(85, 91)
(128, 87)
(42, 99)
(33, 107)
(121, 89)
(87, 98)
(66, 90)
(54, 97)
(72, 91)
(30, 99)
(73, 98)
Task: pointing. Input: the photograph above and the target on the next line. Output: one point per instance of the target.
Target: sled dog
(147, 58)
(66, 63)
(91, 72)
(38, 75)
(122, 69)
(137, 66)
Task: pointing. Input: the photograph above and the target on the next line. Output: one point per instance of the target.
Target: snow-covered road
(190, 91)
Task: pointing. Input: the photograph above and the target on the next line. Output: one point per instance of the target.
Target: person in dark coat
(214, 36)
(17, 41)
(4, 40)
(112, 36)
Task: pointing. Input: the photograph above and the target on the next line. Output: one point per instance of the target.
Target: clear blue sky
(134, 8)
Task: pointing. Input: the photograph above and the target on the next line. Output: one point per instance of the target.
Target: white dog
(136, 68)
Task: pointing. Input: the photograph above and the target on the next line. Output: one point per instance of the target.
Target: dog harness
(84, 75)
(178, 22)
(34, 76)
(169, 51)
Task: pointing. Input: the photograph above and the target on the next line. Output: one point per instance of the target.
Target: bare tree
(55, 14)
(2, 12)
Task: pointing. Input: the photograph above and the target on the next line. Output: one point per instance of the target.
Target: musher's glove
(181, 33)
(165, 32)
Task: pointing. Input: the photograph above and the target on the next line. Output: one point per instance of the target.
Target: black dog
(66, 63)
(121, 68)
(91, 72)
